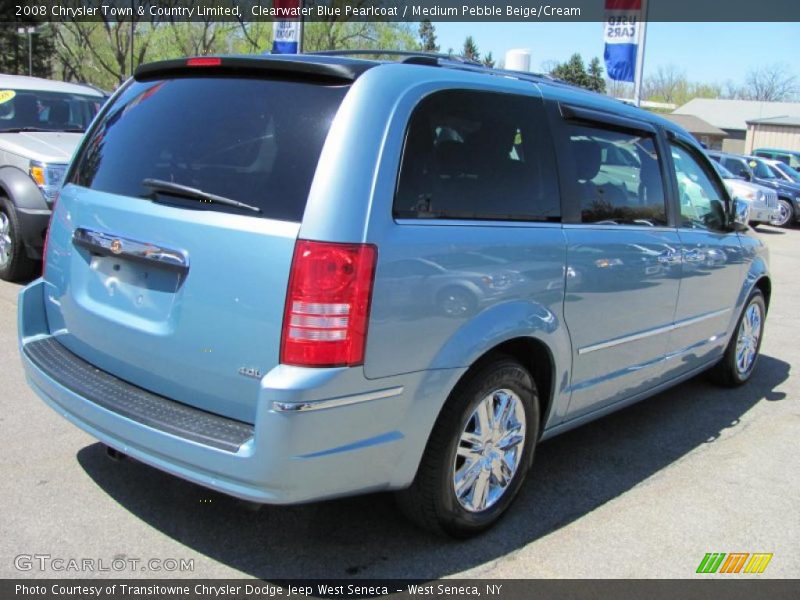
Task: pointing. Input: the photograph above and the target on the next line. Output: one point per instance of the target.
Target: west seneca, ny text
(265, 590)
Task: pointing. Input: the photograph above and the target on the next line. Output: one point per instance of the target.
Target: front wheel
(739, 361)
(478, 454)
(785, 214)
(15, 264)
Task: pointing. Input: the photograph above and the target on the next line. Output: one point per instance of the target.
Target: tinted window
(615, 176)
(477, 155)
(702, 200)
(251, 140)
(760, 169)
(737, 167)
(49, 111)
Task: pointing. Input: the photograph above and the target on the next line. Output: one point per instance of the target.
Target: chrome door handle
(107, 244)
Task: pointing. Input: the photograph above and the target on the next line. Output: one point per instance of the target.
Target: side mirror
(740, 215)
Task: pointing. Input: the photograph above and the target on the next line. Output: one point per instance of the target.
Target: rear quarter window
(477, 156)
(256, 141)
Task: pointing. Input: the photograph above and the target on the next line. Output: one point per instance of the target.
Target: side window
(477, 155)
(702, 199)
(737, 167)
(615, 176)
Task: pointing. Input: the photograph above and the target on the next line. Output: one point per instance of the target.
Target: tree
(667, 84)
(573, 71)
(488, 60)
(427, 36)
(770, 83)
(595, 76)
(470, 50)
(14, 49)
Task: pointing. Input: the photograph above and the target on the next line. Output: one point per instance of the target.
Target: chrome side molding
(652, 332)
(107, 244)
(291, 407)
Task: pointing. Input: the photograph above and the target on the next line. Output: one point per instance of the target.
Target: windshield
(791, 173)
(255, 141)
(760, 169)
(723, 172)
(46, 111)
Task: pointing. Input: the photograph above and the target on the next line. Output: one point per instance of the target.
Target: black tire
(727, 372)
(786, 218)
(431, 501)
(15, 264)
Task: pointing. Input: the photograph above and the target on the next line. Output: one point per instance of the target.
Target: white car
(763, 201)
(41, 123)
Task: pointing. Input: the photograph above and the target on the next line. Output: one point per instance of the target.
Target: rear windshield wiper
(184, 191)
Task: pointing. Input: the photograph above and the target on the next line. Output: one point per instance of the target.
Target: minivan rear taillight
(327, 304)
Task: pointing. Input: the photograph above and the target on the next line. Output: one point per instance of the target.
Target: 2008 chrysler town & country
(290, 279)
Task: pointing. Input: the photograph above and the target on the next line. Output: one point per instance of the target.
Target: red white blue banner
(286, 33)
(621, 35)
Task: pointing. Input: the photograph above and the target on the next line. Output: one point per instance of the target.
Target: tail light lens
(327, 304)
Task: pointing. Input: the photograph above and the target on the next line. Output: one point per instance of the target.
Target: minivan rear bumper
(318, 433)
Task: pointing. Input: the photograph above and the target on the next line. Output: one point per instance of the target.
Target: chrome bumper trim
(335, 402)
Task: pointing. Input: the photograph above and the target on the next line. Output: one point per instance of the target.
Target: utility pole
(637, 82)
(30, 30)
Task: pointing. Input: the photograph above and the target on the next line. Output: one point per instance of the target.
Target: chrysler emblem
(116, 247)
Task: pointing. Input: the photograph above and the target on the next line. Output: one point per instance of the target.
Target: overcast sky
(707, 52)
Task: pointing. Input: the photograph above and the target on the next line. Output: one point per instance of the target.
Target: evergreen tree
(427, 37)
(597, 82)
(574, 71)
(470, 51)
(14, 49)
(488, 60)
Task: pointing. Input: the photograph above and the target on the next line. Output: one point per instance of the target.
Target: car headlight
(48, 177)
(762, 197)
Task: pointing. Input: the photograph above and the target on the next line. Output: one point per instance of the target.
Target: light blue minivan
(290, 279)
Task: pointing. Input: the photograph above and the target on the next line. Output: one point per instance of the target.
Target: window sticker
(6, 95)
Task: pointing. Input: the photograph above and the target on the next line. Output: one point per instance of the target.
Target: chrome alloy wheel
(5, 239)
(784, 214)
(489, 450)
(747, 338)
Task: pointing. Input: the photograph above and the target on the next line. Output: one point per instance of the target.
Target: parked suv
(789, 157)
(220, 258)
(41, 123)
(763, 201)
(756, 170)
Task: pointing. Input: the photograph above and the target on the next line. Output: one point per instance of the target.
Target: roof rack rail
(411, 56)
(450, 61)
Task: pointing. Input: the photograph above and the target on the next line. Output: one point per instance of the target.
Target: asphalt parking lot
(643, 493)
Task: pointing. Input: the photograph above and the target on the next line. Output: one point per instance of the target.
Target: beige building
(773, 132)
(733, 117)
(711, 137)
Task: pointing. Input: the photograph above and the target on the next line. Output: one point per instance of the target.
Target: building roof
(734, 114)
(695, 125)
(782, 120)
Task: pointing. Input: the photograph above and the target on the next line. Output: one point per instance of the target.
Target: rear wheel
(785, 214)
(741, 355)
(478, 454)
(14, 262)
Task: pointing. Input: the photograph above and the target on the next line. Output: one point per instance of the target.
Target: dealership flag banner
(286, 32)
(621, 35)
